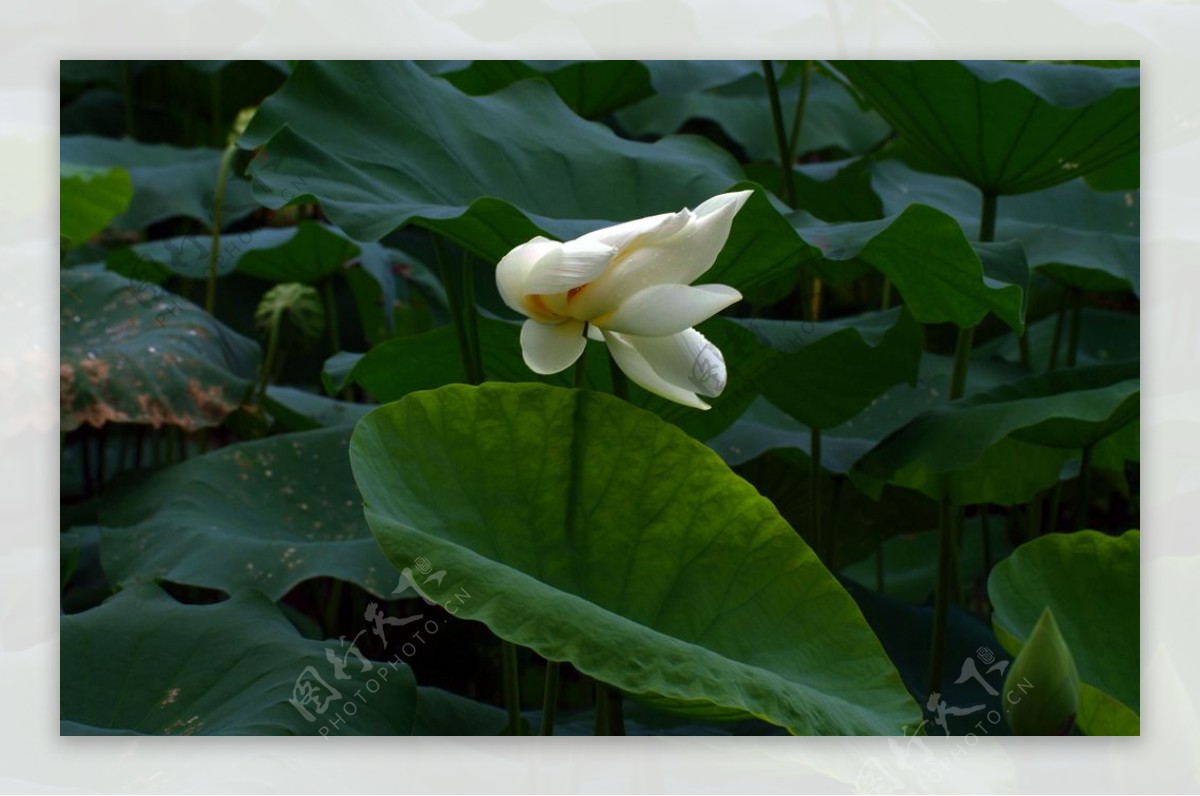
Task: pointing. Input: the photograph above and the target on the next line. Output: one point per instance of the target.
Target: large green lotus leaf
(973, 438)
(396, 367)
(824, 374)
(943, 277)
(763, 248)
(1091, 583)
(1007, 128)
(592, 532)
(590, 88)
(666, 77)
(1079, 236)
(764, 427)
(831, 191)
(167, 181)
(132, 353)
(308, 252)
(300, 410)
(90, 198)
(1105, 336)
(488, 172)
(855, 521)
(144, 664)
(780, 357)
(742, 109)
(265, 515)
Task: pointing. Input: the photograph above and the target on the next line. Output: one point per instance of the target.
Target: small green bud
(1041, 691)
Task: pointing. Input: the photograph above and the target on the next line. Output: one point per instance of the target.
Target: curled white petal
(513, 270)
(569, 265)
(637, 368)
(679, 258)
(667, 309)
(686, 360)
(723, 204)
(551, 347)
(640, 231)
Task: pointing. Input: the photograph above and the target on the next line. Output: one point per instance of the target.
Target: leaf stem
(268, 362)
(814, 491)
(1083, 499)
(512, 687)
(610, 713)
(798, 119)
(471, 317)
(454, 299)
(331, 316)
(946, 557)
(1055, 502)
(789, 193)
(620, 382)
(214, 253)
(962, 360)
(550, 699)
(580, 380)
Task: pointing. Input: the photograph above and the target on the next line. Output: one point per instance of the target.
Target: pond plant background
(913, 508)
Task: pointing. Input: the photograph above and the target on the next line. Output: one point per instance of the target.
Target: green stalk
(814, 489)
(1055, 502)
(610, 713)
(985, 527)
(268, 362)
(885, 300)
(620, 381)
(987, 218)
(601, 725)
(962, 360)
(331, 316)
(798, 119)
(456, 310)
(210, 294)
(1023, 349)
(1083, 499)
(1035, 517)
(471, 319)
(1058, 330)
(581, 364)
(789, 193)
(947, 588)
(512, 687)
(946, 558)
(550, 699)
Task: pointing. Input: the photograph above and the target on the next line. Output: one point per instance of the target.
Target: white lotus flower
(630, 286)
